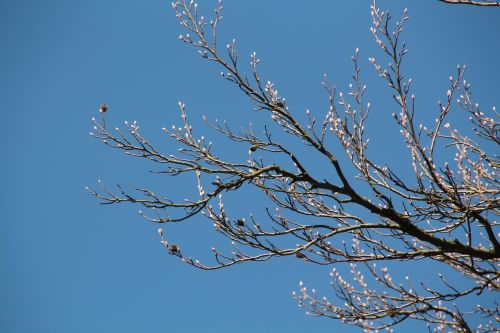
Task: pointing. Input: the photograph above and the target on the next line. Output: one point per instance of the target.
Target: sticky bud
(103, 108)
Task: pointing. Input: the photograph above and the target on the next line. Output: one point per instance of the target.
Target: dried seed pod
(300, 255)
(280, 104)
(254, 147)
(174, 248)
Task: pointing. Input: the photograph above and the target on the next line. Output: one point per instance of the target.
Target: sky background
(69, 264)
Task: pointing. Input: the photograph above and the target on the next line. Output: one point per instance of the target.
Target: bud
(174, 248)
(103, 108)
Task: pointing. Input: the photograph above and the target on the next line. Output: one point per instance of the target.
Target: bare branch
(486, 3)
(446, 214)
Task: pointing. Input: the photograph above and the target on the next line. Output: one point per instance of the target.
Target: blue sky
(72, 265)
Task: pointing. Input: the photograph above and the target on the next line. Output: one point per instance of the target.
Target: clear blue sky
(69, 264)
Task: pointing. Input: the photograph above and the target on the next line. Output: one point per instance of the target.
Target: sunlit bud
(103, 108)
